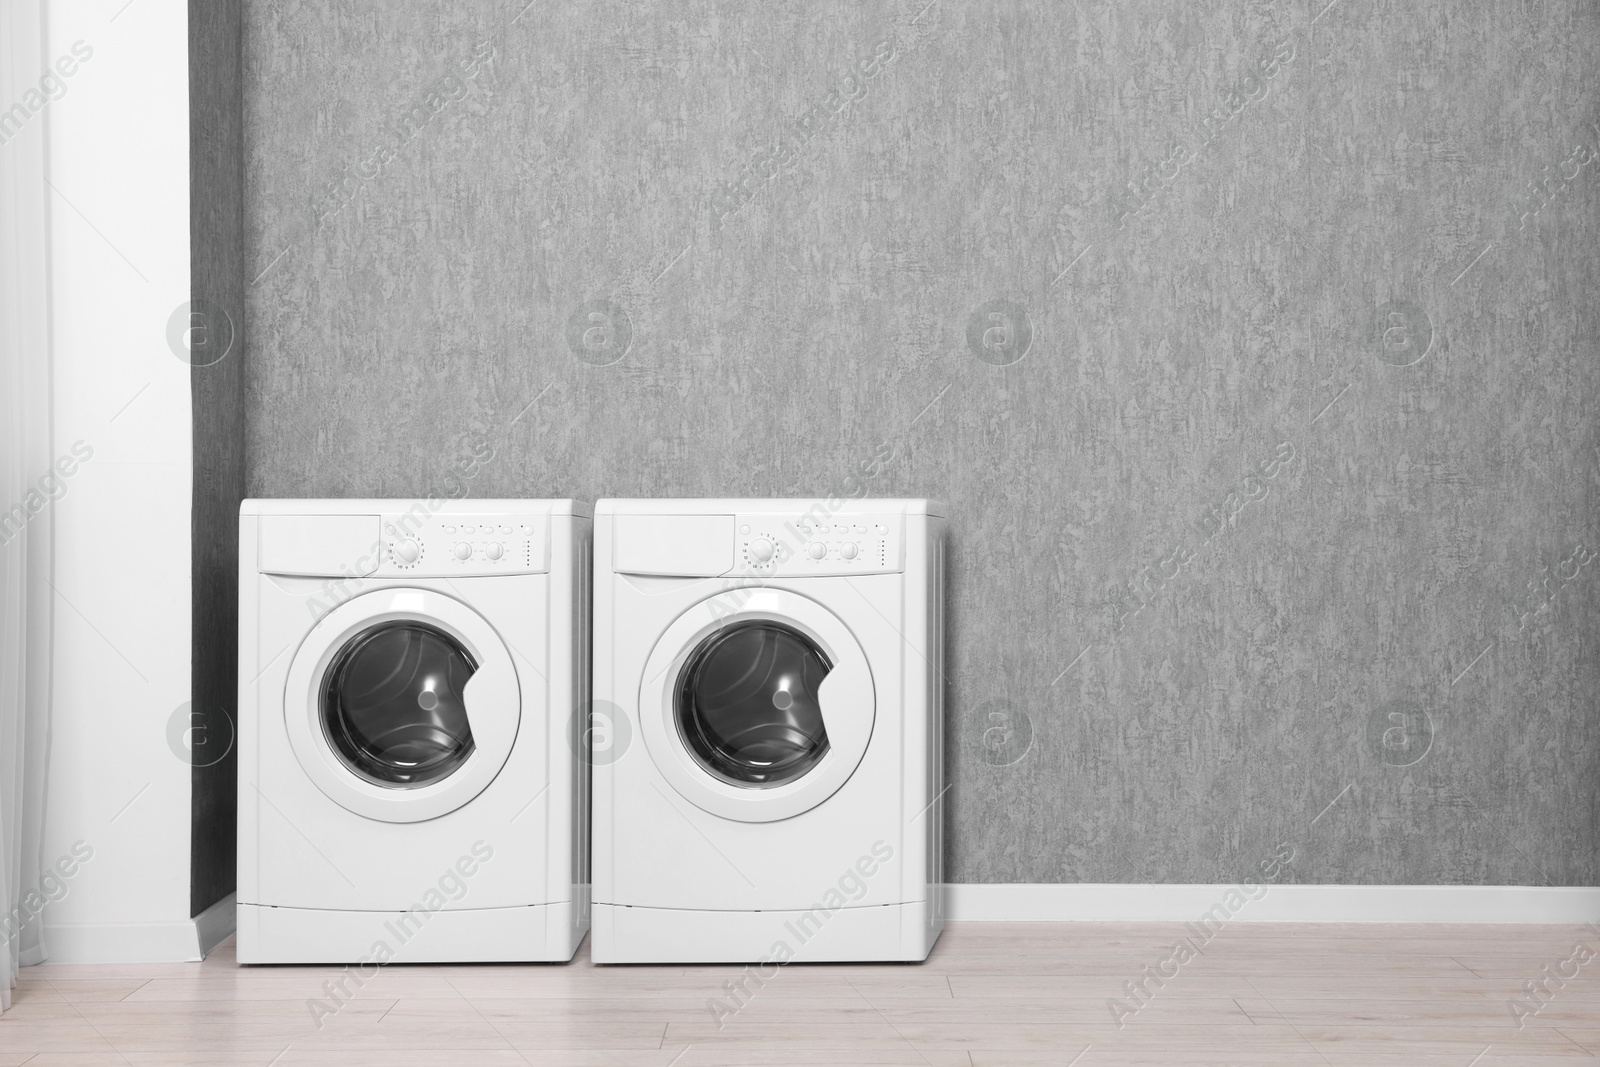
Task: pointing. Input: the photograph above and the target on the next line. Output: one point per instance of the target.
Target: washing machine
(411, 779)
(769, 786)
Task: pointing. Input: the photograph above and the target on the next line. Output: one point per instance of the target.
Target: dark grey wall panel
(216, 167)
(1259, 391)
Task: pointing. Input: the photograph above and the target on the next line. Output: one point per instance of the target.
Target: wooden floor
(992, 994)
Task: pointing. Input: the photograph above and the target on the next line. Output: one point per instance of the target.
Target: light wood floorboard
(991, 995)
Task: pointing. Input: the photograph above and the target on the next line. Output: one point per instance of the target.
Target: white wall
(119, 160)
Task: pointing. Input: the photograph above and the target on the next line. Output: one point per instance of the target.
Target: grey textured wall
(217, 392)
(1256, 370)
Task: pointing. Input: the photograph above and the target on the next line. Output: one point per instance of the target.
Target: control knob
(463, 550)
(407, 551)
(848, 550)
(495, 550)
(761, 550)
(816, 550)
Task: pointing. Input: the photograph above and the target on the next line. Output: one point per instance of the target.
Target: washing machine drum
(393, 705)
(402, 704)
(757, 704)
(748, 706)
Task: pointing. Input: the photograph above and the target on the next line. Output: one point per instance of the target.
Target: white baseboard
(1035, 902)
(191, 940)
(177, 941)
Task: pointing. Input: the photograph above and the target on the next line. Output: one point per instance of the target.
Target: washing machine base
(535, 933)
(890, 932)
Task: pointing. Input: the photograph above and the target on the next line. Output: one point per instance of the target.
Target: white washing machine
(770, 787)
(410, 675)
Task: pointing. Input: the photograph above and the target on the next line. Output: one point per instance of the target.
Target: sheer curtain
(25, 459)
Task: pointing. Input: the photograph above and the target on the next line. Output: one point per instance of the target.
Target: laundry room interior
(1070, 519)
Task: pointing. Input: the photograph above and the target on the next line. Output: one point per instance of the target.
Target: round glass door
(747, 706)
(392, 706)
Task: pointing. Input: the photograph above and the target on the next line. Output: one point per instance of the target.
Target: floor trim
(178, 941)
(1279, 903)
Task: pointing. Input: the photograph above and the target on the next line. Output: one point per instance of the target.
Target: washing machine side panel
(312, 853)
(602, 693)
(582, 869)
(624, 627)
(568, 628)
(584, 819)
(912, 802)
(925, 688)
(247, 836)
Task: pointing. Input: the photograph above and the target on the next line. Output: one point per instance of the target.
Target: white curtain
(25, 531)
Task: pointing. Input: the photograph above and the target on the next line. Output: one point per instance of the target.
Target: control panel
(815, 543)
(451, 544)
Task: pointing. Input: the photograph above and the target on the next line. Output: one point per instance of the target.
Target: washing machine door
(402, 704)
(757, 704)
